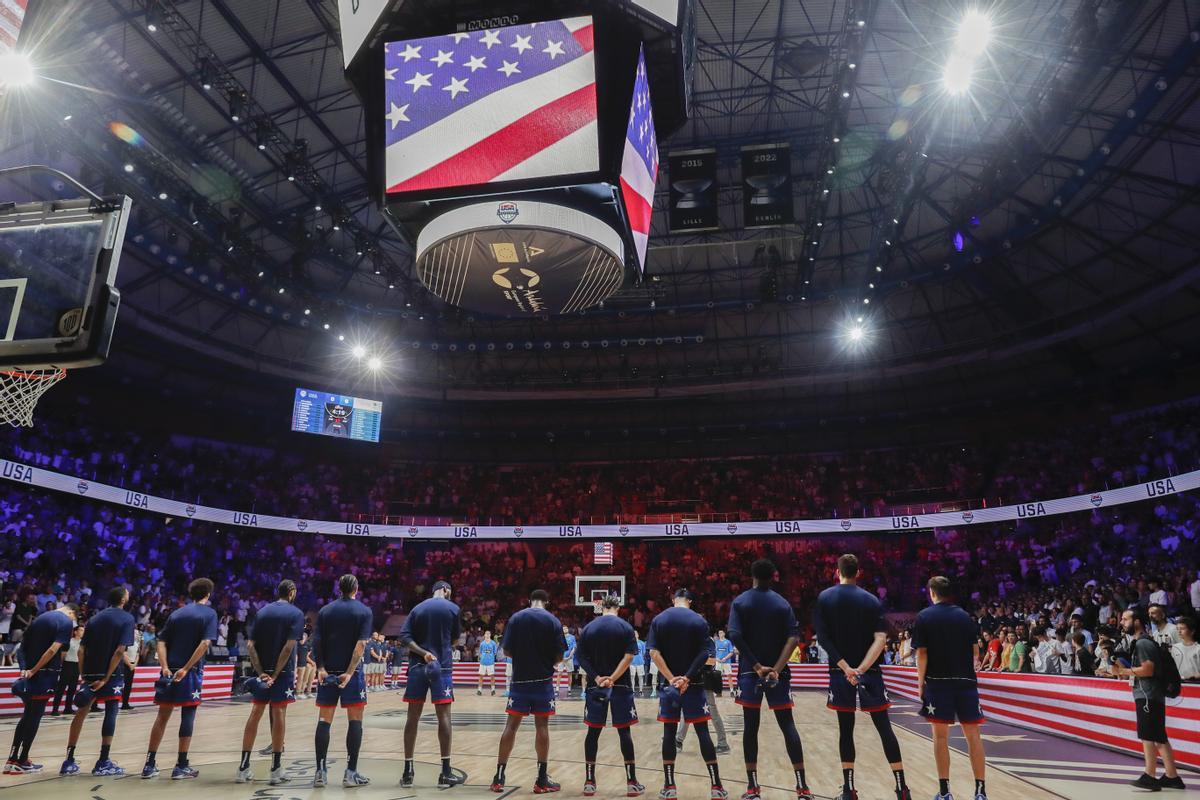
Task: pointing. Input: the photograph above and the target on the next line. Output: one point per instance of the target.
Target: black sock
(589, 772)
(322, 744)
(943, 786)
(630, 772)
(150, 756)
(70, 752)
(500, 773)
(848, 778)
(898, 774)
(979, 788)
(276, 757)
(668, 774)
(245, 760)
(408, 766)
(445, 766)
(182, 760)
(353, 744)
(751, 779)
(714, 773)
(541, 778)
(801, 782)
(105, 749)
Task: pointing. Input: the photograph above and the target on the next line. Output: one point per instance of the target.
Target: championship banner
(767, 186)
(18, 472)
(693, 203)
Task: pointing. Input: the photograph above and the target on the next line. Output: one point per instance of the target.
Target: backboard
(591, 589)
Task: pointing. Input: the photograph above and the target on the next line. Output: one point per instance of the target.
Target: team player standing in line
(764, 630)
(182, 645)
(277, 631)
(102, 650)
(430, 630)
(41, 661)
(851, 627)
(339, 639)
(607, 646)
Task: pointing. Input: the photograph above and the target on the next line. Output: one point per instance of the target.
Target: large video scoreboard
(336, 415)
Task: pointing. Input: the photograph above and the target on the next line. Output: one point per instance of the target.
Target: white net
(20, 391)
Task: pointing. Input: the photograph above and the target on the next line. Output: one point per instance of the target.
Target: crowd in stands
(1025, 580)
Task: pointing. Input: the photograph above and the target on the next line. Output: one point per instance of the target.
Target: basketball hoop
(20, 391)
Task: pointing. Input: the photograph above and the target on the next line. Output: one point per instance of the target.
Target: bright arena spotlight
(830, 431)
(16, 70)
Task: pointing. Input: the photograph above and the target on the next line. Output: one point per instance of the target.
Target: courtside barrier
(217, 685)
(18, 472)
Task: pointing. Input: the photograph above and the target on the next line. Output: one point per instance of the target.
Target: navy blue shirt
(948, 635)
(185, 629)
(104, 633)
(46, 629)
(341, 625)
(534, 639)
(434, 626)
(276, 625)
(760, 624)
(680, 635)
(302, 651)
(602, 644)
(846, 619)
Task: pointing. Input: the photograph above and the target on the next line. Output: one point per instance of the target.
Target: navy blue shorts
(281, 692)
(354, 693)
(531, 698)
(41, 685)
(109, 691)
(751, 692)
(440, 689)
(182, 693)
(692, 705)
(869, 695)
(950, 701)
(598, 703)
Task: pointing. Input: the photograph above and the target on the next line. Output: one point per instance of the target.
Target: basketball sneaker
(589, 788)
(406, 780)
(244, 776)
(493, 692)
(107, 769)
(903, 794)
(497, 784)
(718, 793)
(320, 778)
(723, 749)
(804, 793)
(448, 780)
(266, 751)
(545, 787)
(668, 793)
(848, 794)
(634, 789)
(752, 793)
(278, 776)
(149, 771)
(352, 779)
(946, 796)
(25, 767)
(69, 767)
(184, 773)
(479, 692)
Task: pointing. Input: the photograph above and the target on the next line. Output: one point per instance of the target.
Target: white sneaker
(352, 779)
(244, 776)
(278, 776)
(320, 778)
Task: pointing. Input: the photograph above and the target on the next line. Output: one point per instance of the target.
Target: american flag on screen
(12, 14)
(639, 165)
(604, 553)
(490, 106)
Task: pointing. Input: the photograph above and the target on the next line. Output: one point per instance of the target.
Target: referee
(850, 626)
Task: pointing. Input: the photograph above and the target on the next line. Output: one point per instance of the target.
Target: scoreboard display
(336, 415)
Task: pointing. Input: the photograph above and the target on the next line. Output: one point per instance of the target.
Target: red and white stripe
(637, 186)
(218, 685)
(12, 14)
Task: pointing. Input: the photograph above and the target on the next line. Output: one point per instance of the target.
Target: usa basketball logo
(82, 487)
(846, 524)
(623, 530)
(413, 531)
(518, 532)
(967, 516)
(1097, 499)
(190, 510)
(507, 212)
(301, 525)
(731, 528)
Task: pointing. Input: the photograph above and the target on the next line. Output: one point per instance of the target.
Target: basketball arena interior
(399, 393)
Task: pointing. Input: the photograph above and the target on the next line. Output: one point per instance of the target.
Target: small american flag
(604, 553)
(639, 165)
(491, 106)
(12, 13)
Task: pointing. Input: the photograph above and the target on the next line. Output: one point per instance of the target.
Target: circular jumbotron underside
(520, 258)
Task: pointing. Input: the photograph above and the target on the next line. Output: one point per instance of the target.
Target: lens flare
(126, 134)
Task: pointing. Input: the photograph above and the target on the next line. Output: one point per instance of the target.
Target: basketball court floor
(1021, 764)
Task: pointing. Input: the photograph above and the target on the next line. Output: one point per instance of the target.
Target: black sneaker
(447, 780)
(406, 780)
(1146, 783)
(1171, 783)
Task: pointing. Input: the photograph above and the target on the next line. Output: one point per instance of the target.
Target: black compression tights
(591, 744)
(787, 725)
(883, 725)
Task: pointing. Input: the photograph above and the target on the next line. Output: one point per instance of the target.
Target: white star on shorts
(195, 695)
(448, 693)
(362, 695)
(633, 713)
(929, 709)
(289, 694)
(704, 709)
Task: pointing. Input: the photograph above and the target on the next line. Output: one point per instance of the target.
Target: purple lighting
(958, 241)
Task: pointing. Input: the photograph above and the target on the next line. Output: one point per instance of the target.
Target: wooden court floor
(477, 723)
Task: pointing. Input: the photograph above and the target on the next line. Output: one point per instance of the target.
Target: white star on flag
(458, 37)
(476, 62)
(398, 114)
(509, 68)
(410, 53)
(522, 44)
(443, 58)
(553, 49)
(390, 74)
(456, 87)
(418, 80)
(490, 38)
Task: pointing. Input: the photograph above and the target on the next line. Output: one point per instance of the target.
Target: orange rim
(33, 376)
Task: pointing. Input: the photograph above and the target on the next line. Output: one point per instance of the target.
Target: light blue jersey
(724, 650)
(640, 659)
(487, 653)
(570, 651)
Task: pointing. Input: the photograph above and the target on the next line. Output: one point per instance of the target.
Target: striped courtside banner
(804, 676)
(218, 684)
(1094, 710)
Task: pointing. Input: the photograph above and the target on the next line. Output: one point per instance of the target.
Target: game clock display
(336, 415)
